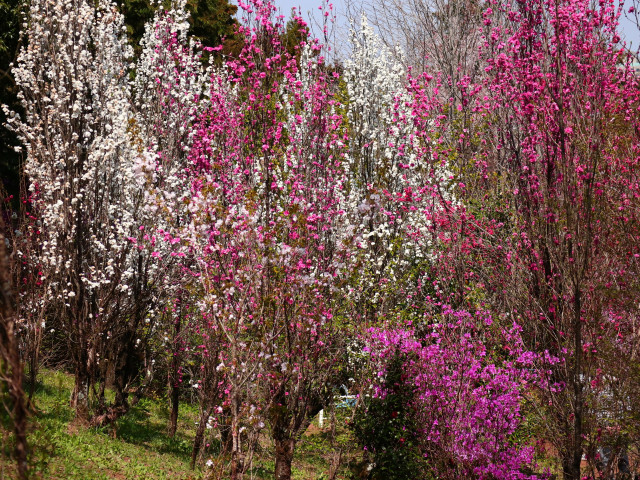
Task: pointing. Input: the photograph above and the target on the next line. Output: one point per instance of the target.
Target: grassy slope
(141, 448)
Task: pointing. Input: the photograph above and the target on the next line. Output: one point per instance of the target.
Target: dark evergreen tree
(10, 19)
(211, 20)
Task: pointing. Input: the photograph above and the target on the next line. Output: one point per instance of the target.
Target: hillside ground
(139, 447)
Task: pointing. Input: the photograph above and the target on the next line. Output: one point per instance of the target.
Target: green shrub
(386, 429)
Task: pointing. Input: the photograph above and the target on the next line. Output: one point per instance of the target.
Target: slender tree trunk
(33, 360)
(236, 442)
(19, 412)
(10, 356)
(173, 418)
(571, 465)
(175, 380)
(226, 440)
(80, 394)
(33, 375)
(198, 440)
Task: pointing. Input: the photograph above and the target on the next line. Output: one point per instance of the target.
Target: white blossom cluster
(168, 87)
(95, 166)
(170, 83)
(387, 229)
(76, 131)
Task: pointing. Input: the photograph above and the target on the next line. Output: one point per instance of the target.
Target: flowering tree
(435, 35)
(22, 236)
(565, 102)
(81, 165)
(305, 271)
(264, 212)
(394, 186)
(168, 88)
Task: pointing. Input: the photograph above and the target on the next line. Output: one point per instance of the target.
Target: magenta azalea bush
(468, 378)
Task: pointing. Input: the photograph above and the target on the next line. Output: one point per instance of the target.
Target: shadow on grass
(262, 472)
(138, 428)
(57, 391)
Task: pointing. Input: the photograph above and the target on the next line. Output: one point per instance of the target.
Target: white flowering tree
(393, 188)
(83, 168)
(168, 91)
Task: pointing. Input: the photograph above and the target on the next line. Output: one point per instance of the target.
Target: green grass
(141, 448)
(314, 453)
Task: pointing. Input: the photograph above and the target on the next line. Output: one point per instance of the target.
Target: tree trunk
(33, 378)
(569, 469)
(173, 418)
(197, 441)
(175, 380)
(10, 356)
(571, 464)
(287, 424)
(125, 398)
(19, 415)
(284, 458)
(34, 363)
(80, 396)
(236, 445)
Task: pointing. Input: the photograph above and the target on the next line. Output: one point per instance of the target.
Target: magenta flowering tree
(264, 210)
(562, 103)
(222, 237)
(23, 232)
(469, 378)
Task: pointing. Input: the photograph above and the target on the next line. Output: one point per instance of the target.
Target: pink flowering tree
(265, 206)
(23, 232)
(562, 103)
